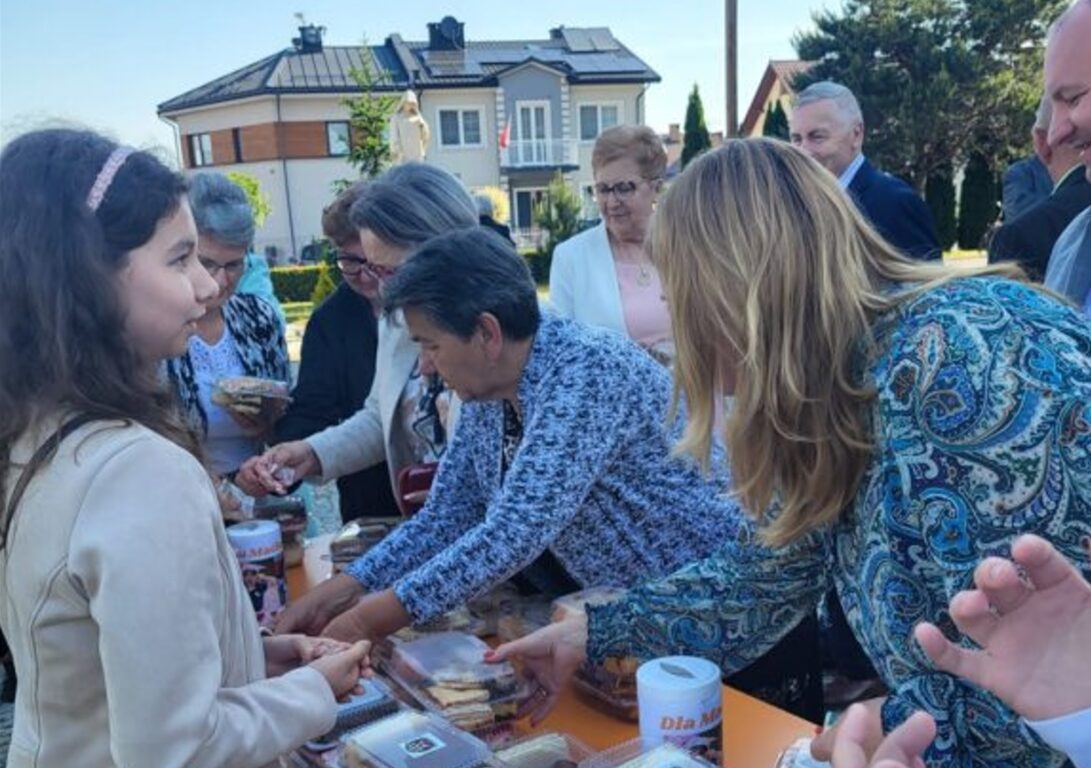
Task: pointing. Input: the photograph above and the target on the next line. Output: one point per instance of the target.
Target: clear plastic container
(447, 675)
(357, 537)
(230, 388)
(633, 754)
(522, 616)
(412, 740)
(376, 702)
(619, 705)
(452, 660)
(799, 756)
(547, 750)
(610, 686)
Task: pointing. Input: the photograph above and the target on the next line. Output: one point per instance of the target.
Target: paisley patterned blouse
(982, 431)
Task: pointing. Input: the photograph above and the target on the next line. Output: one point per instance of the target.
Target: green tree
(977, 203)
(369, 115)
(259, 201)
(558, 215)
(696, 139)
(937, 79)
(776, 122)
(939, 193)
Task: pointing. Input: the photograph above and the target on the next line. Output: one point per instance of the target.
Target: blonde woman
(893, 423)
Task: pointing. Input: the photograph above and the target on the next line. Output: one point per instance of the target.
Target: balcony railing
(543, 153)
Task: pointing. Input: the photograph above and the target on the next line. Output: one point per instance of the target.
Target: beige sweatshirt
(133, 637)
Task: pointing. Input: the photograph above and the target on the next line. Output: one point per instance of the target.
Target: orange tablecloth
(754, 732)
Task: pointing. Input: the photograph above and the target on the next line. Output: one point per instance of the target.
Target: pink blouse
(645, 308)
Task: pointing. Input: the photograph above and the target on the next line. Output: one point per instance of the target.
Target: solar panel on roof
(603, 40)
(577, 40)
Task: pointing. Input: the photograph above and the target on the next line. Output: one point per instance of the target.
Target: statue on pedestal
(409, 133)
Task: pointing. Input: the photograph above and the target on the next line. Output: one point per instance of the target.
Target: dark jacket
(335, 374)
(501, 229)
(898, 212)
(1029, 239)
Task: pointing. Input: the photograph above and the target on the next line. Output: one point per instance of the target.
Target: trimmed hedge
(296, 283)
(297, 310)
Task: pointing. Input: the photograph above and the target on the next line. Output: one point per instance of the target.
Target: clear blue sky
(107, 64)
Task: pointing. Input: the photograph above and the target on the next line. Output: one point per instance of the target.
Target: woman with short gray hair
(240, 334)
(408, 416)
(561, 468)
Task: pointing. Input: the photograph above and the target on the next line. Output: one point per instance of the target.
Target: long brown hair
(62, 343)
(772, 274)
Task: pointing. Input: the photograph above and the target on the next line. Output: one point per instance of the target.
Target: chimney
(310, 39)
(448, 35)
(674, 133)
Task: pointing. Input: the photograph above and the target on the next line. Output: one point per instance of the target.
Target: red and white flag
(505, 135)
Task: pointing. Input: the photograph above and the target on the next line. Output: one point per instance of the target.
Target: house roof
(782, 71)
(582, 55)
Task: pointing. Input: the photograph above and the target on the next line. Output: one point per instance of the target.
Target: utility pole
(731, 60)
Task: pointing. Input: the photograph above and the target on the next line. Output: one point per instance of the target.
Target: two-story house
(502, 113)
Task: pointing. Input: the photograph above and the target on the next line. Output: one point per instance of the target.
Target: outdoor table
(755, 733)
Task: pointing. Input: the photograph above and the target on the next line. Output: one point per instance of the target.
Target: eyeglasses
(232, 268)
(623, 190)
(354, 265)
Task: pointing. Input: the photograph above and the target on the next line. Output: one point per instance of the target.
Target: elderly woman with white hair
(240, 334)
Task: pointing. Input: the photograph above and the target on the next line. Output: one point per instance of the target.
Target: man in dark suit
(1068, 80)
(338, 363)
(485, 214)
(1030, 238)
(1026, 183)
(826, 123)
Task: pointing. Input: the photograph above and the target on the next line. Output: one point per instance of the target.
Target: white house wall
(317, 107)
(625, 95)
(233, 114)
(309, 183)
(476, 166)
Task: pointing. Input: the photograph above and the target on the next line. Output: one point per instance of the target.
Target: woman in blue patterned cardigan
(562, 450)
(893, 423)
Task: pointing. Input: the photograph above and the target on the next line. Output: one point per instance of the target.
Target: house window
(338, 143)
(200, 149)
(236, 141)
(596, 118)
(460, 128)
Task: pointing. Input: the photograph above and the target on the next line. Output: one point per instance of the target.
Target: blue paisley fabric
(982, 431)
(592, 481)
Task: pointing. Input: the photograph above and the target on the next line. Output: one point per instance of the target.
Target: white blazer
(583, 281)
(364, 439)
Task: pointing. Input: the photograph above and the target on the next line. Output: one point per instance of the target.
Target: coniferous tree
(977, 204)
(939, 193)
(696, 139)
(776, 122)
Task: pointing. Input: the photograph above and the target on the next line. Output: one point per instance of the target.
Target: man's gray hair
(827, 90)
(412, 203)
(221, 209)
(484, 204)
(1043, 114)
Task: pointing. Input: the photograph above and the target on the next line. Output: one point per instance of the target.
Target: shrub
(294, 283)
(324, 285)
